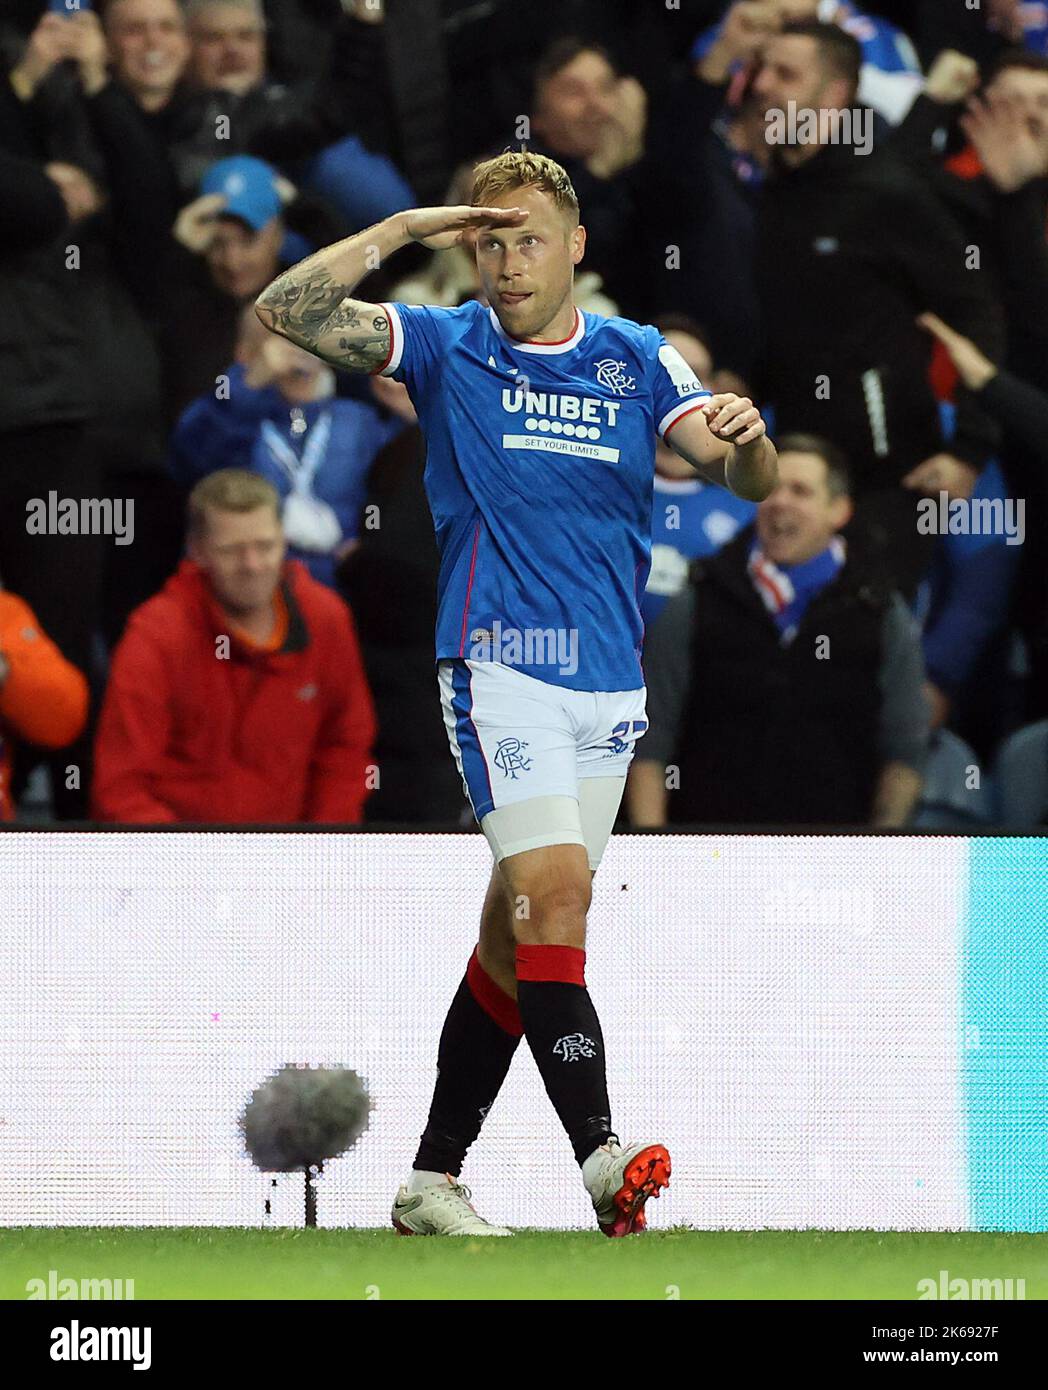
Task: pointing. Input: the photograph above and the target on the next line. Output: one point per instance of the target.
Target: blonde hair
(522, 169)
(229, 490)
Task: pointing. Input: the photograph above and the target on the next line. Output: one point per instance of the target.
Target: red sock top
(494, 1000)
(562, 964)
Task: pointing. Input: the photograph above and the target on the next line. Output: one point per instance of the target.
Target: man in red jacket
(238, 693)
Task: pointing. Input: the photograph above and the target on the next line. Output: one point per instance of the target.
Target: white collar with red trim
(565, 345)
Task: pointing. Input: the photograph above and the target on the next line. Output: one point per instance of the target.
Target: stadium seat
(947, 802)
(1021, 778)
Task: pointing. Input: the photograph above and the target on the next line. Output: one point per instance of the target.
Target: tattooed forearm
(347, 315)
(314, 312)
(310, 304)
(298, 304)
(367, 349)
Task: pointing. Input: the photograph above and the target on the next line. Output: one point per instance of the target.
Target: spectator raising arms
(891, 70)
(1022, 409)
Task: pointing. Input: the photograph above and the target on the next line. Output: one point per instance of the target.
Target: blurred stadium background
(849, 1029)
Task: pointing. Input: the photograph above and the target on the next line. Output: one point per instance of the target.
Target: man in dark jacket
(986, 159)
(82, 214)
(783, 684)
(200, 109)
(592, 120)
(850, 250)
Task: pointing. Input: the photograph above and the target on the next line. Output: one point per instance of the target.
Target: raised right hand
(1011, 154)
(747, 26)
(195, 225)
(440, 228)
(49, 44)
(952, 77)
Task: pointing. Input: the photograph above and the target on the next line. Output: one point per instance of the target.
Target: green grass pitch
(204, 1263)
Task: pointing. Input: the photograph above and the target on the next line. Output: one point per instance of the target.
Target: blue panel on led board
(1005, 1034)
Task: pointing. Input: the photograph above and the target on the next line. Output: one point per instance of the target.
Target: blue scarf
(788, 589)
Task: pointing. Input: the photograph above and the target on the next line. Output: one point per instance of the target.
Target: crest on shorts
(574, 1046)
(612, 375)
(624, 736)
(509, 757)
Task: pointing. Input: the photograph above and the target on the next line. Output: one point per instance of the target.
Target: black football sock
(479, 1038)
(563, 1032)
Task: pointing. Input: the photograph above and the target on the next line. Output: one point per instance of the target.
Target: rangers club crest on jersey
(574, 1046)
(613, 376)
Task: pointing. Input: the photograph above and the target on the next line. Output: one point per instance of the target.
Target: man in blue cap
(237, 220)
(229, 244)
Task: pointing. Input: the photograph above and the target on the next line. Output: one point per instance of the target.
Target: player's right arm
(312, 304)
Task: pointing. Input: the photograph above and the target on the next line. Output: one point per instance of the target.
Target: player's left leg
(619, 1178)
(552, 883)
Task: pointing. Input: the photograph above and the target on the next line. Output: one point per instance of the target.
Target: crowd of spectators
(256, 647)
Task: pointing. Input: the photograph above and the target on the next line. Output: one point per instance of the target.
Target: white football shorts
(541, 765)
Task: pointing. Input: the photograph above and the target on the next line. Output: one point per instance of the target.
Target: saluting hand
(441, 228)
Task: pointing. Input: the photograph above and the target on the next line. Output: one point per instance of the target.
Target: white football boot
(441, 1209)
(620, 1180)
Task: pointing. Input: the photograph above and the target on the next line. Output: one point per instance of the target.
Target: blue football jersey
(539, 469)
